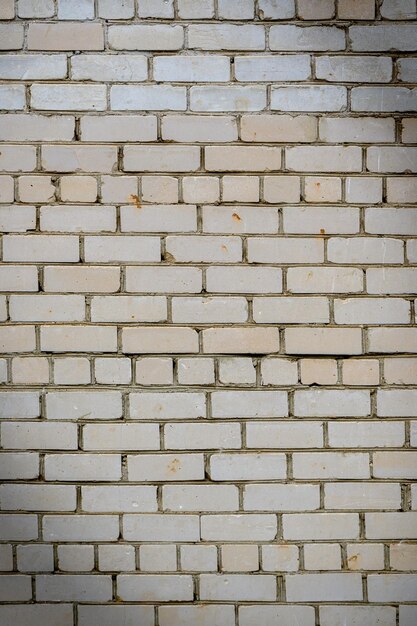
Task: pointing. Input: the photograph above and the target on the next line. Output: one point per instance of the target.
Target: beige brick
(119, 499)
(155, 371)
(11, 36)
(362, 496)
(290, 310)
(322, 556)
(151, 340)
(324, 279)
(282, 558)
(400, 371)
(72, 371)
(284, 435)
(365, 556)
(332, 403)
(237, 370)
(161, 158)
(73, 158)
(395, 464)
(195, 371)
(18, 158)
(242, 158)
(316, 9)
(42, 436)
(281, 189)
(36, 189)
(280, 128)
(120, 437)
(78, 189)
(322, 189)
(281, 497)
(202, 436)
(17, 339)
(239, 558)
(240, 340)
(318, 371)
(225, 467)
(7, 10)
(128, 127)
(403, 556)
(166, 406)
(283, 250)
(209, 310)
(204, 249)
(324, 587)
(326, 341)
(161, 528)
(250, 615)
(83, 467)
(158, 558)
(46, 308)
(321, 220)
(200, 498)
(276, 371)
(164, 279)
(166, 467)
(70, 36)
(159, 189)
(79, 339)
(82, 279)
(30, 370)
(237, 279)
(157, 218)
(197, 558)
(392, 340)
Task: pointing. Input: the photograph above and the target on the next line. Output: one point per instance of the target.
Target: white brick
(366, 434)
(380, 37)
(249, 404)
(391, 587)
(326, 403)
(284, 435)
(357, 129)
(79, 404)
(247, 527)
(82, 467)
(272, 68)
(225, 98)
(162, 588)
(281, 497)
(202, 436)
(247, 466)
(198, 128)
(38, 498)
(37, 614)
(282, 250)
(324, 158)
(73, 588)
(362, 496)
(276, 10)
(297, 38)
(109, 68)
(237, 587)
(147, 97)
(42, 436)
(356, 615)
(250, 615)
(237, 279)
(200, 498)
(146, 37)
(309, 98)
(68, 97)
(166, 406)
(166, 467)
(120, 437)
(209, 310)
(36, 127)
(290, 310)
(213, 614)
(324, 587)
(12, 98)
(226, 37)
(119, 499)
(354, 69)
(161, 528)
(192, 68)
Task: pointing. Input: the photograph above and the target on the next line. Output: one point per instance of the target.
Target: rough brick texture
(208, 396)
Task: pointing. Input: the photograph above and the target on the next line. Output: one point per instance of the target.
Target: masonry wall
(207, 278)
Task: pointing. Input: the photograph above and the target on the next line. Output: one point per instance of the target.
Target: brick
(165, 406)
(324, 279)
(272, 10)
(157, 218)
(250, 615)
(16, 527)
(12, 98)
(245, 189)
(366, 434)
(191, 68)
(198, 128)
(195, 372)
(237, 279)
(226, 37)
(128, 128)
(116, 558)
(79, 158)
(204, 249)
(36, 127)
(368, 190)
(11, 36)
(394, 464)
(365, 250)
(283, 128)
(330, 465)
(147, 97)
(21, 465)
(362, 496)
(290, 310)
(249, 404)
(356, 9)
(237, 587)
(164, 279)
(394, 10)
(246, 158)
(322, 189)
(37, 498)
(36, 189)
(296, 38)
(18, 158)
(41, 436)
(157, 558)
(82, 279)
(146, 37)
(372, 311)
(7, 10)
(358, 129)
(225, 467)
(309, 98)
(73, 587)
(38, 614)
(324, 587)
(391, 587)
(155, 587)
(318, 9)
(323, 341)
(155, 371)
(195, 9)
(165, 468)
(282, 250)
(47, 308)
(120, 437)
(228, 10)
(284, 435)
(78, 188)
(379, 37)
(354, 69)
(161, 158)
(79, 404)
(161, 528)
(209, 310)
(65, 36)
(236, 370)
(119, 499)
(116, 10)
(272, 68)
(322, 556)
(324, 159)
(240, 340)
(30, 370)
(151, 340)
(129, 249)
(391, 221)
(15, 588)
(281, 497)
(326, 403)
(19, 404)
(200, 498)
(202, 436)
(78, 10)
(228, 98)
(85, 467)
(41, 248)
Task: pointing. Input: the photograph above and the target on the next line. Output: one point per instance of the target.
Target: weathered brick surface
(208, 404)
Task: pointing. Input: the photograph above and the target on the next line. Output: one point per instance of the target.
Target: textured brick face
(208, 405)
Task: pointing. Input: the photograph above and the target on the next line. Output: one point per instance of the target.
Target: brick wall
(207, 278)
